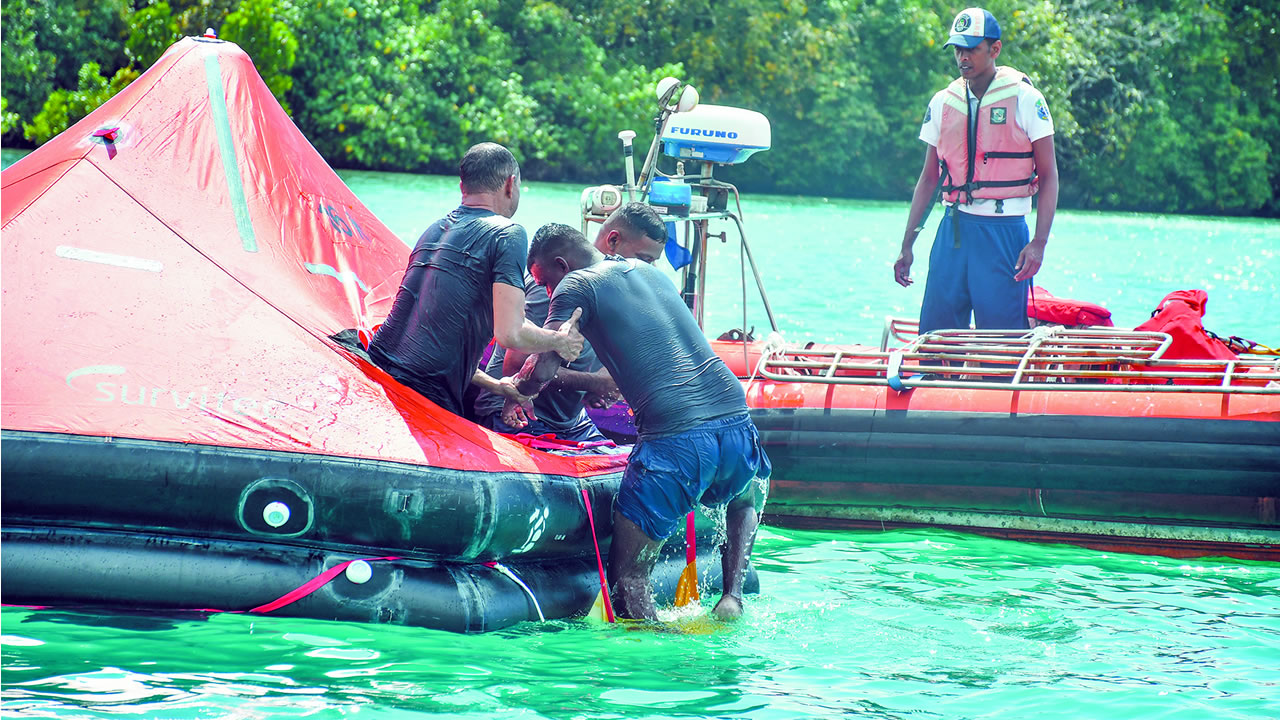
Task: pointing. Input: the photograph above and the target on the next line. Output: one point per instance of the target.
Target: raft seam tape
(227, 149)
(105, 258)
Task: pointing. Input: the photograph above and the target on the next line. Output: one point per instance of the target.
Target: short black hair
(557, 239)
(643, 218)
(486, 166)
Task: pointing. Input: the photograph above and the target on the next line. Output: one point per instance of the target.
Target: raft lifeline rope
(313, 585)
(506, 571)
(358, 566)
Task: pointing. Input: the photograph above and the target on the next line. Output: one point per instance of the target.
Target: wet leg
(632, 555)
(742, 519)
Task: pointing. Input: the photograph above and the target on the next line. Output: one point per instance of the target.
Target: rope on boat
(507, 572)
(772, 344)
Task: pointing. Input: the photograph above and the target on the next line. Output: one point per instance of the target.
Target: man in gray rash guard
(696, 441)
(464, 283)
(634, 230)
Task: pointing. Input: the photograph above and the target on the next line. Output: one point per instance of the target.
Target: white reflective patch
(102, 258)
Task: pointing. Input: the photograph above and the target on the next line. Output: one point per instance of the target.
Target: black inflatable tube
(166, 574)
(334, 502)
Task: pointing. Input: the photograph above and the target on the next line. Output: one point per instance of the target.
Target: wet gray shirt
(647, 338)
(442, 317)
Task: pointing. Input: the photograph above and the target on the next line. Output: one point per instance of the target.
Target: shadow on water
(117, 619)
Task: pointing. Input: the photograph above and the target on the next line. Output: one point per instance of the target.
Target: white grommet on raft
(359, 572)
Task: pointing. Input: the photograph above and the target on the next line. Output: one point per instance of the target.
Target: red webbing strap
(690, 540)
(548, 441)
(290, 597)
(311, 585)
(604, 582)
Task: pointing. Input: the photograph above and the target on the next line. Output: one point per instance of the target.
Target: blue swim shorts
(710, 464)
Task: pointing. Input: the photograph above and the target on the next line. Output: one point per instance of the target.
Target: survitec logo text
(120, 389)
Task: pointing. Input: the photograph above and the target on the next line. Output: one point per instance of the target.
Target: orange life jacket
(1004, 166)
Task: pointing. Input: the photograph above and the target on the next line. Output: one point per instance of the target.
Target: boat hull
(1152, 469)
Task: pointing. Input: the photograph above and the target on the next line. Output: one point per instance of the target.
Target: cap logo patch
(963, 21)
(997, 115)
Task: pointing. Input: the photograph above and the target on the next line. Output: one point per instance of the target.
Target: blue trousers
(976, 278)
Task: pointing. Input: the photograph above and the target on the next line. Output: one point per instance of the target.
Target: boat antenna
(628, 153)
(668, 90)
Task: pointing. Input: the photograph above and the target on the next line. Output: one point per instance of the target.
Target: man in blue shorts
(697, 444)
(463, 285)
(990, 145)
(634, 230)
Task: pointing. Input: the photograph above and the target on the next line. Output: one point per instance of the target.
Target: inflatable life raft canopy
(174, 266)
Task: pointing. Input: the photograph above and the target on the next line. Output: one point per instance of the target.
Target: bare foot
(729, 608)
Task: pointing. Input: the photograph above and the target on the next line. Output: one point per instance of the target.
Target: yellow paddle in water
(687, 587)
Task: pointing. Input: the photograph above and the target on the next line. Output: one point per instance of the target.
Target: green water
(919, 624)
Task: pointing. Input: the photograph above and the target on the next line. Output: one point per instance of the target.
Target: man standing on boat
(697, 444)
(634, 230)
(464, 285)
(990, 142)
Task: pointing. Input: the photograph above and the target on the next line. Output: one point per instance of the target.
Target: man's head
(489, 169)
(634, 230)
(556, 251)
(972, 26)
(975, 36)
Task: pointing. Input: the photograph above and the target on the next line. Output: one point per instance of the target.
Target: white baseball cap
(971, 27)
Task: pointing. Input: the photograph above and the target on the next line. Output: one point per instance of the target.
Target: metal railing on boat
(1044, 358)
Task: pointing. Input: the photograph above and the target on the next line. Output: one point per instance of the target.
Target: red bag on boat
(1179, 314)
(1044, 308)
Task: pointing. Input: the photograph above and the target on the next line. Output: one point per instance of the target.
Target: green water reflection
(882, 625)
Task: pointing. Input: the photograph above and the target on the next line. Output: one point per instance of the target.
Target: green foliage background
(1161, 105)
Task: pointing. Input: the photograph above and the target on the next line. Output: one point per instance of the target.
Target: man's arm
(504, 387)
(513, 361)
(1032, 256)
(921, 198)
(598, 383)
(538, 370)
(514, 332)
